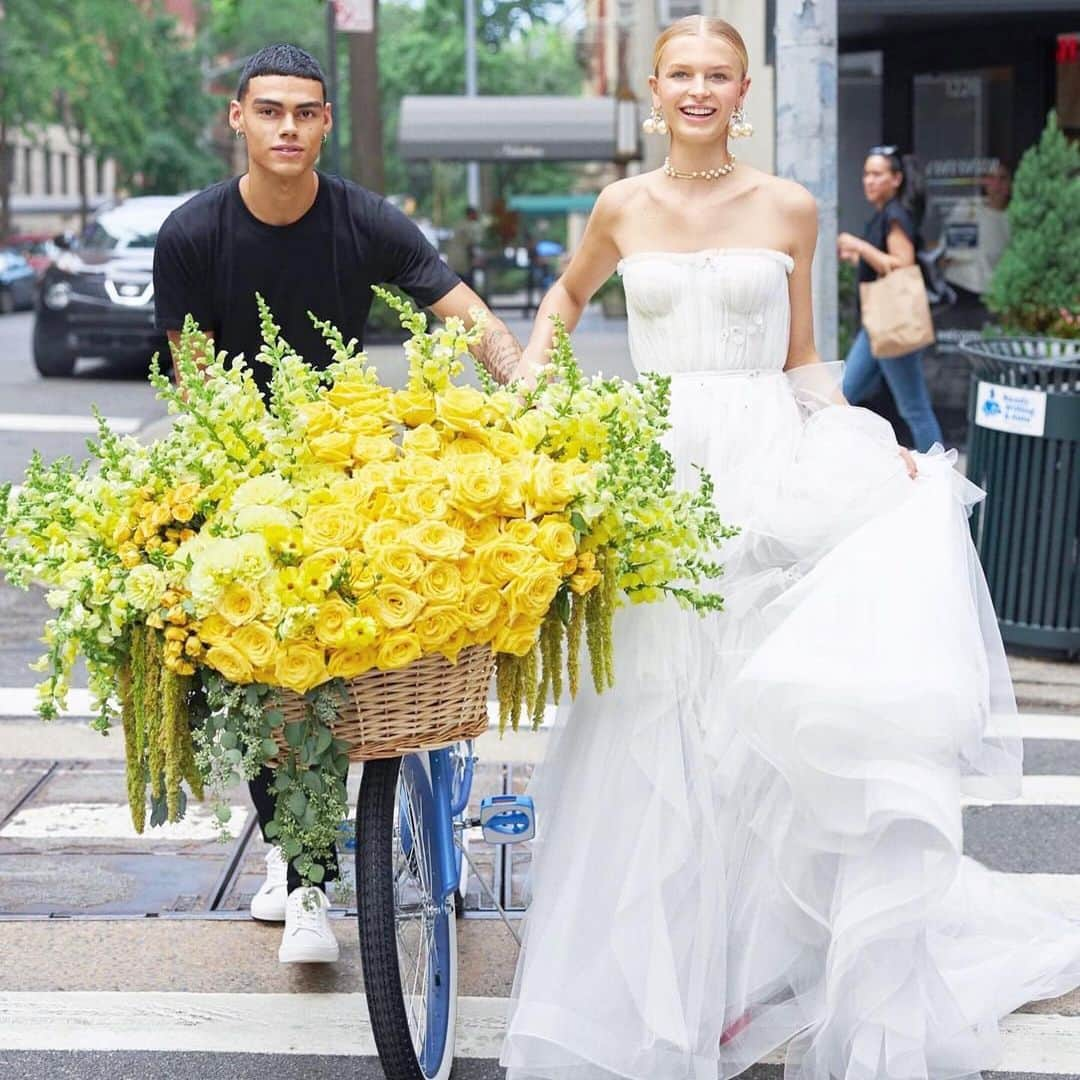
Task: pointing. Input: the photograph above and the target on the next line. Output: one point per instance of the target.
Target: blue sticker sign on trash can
(1010, 408)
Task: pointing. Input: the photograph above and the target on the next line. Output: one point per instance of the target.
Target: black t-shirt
(877, 230)
(212, 255)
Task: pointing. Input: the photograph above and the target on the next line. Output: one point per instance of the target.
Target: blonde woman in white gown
(755, 839)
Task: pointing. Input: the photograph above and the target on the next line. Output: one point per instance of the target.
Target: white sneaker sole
(268, 914)
(309, 954)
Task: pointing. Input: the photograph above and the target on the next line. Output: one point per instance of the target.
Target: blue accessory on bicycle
(507, 819)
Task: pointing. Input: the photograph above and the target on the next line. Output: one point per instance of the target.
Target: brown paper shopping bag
(896, 313)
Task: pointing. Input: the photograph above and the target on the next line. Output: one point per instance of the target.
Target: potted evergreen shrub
(1036, 284)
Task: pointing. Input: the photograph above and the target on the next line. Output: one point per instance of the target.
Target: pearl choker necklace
(704, 174)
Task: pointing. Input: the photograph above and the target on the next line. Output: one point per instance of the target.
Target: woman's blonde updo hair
(702, 26)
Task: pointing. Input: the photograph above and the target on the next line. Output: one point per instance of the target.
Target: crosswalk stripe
(60, 422)
(112, 821)
(1039, 791)
(337, 1024)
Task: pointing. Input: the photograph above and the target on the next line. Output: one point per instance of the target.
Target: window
(1068, 83)
(669, 11)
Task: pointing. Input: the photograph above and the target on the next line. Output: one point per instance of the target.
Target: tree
(25, 86)
(422, 51)
(1036, 284)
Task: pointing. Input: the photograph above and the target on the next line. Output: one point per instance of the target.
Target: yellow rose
(183, 512)
(552, 485)
(232, 664)
(556, 540)
(365, 424)
(299, 667)
(462, 408)
(436, 626)
(531, 594)
(441, 583)
(480, 606)
(397, 562)
(374, 448)
(418, 469)
(435, 540)
(239, 603)
(585, 580)
(504, 444)
(413, 407)
(517, 637)
(423, 502)
(399, 650)
(356, 396)
(476, 484)
(396, 606)
(463, 446)
(214, 630)
(520, 532)
(530, 428)
(480, 531)
(334, 525)
(257, 642)
(334, 447)
(512, 497)
(385, 533)
(423, 439)
(348, 663)
(332, 621)
(317, 418)
(502, 560)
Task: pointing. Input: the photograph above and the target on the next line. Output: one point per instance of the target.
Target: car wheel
(52, 361)
(7, 302)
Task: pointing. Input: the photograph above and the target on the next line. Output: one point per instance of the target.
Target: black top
(877, 229)
(212, 255)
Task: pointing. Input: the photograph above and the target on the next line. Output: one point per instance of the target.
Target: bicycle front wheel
(408, 937)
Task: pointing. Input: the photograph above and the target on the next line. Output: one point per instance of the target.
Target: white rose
(145, 587)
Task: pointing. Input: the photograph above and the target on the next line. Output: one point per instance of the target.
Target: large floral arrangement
(339, 527)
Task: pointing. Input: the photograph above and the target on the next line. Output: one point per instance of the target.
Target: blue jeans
(863, 375)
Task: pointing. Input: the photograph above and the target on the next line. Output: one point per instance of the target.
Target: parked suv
(97, 298)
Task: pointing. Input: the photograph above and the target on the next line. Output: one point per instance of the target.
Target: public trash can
(1024, 450)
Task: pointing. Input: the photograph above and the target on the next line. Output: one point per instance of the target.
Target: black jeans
(262, 795)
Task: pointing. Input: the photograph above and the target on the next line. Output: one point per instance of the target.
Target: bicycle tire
(376, 818)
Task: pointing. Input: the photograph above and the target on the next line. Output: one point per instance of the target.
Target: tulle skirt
(755, 839)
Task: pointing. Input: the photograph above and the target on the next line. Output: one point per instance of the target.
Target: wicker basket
(428, 704)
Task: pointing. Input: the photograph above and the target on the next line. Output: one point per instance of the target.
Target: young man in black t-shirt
(305, 241)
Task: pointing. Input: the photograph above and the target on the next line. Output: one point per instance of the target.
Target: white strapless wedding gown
(755, 838)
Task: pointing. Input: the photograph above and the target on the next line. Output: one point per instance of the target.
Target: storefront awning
(509, 128)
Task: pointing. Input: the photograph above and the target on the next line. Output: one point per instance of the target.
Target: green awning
(552, 204)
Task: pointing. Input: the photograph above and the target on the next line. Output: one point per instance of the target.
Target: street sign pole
(334, 164)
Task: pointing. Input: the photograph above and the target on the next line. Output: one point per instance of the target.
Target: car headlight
(57, 296)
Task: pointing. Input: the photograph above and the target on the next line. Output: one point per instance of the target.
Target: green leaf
(297, 803)
(223, 814)
(324, 741)
(578, 523)
(294, 733)
(274, 717)
(229, 740)
(282, 782)
(562, 605)
(269, 749)
(316, 873)
(271, 829)
(312, 781)
(310, 818)
(290, 847)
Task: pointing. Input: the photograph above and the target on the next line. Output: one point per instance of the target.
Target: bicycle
(411, 867)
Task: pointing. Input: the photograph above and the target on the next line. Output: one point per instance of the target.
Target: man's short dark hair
(281, 59)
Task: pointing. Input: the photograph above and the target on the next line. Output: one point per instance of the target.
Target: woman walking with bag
(889, 243)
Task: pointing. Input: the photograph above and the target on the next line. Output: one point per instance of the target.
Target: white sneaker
(308, 937)
(268, 904)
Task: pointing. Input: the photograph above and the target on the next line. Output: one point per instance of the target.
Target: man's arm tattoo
(499, 352)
